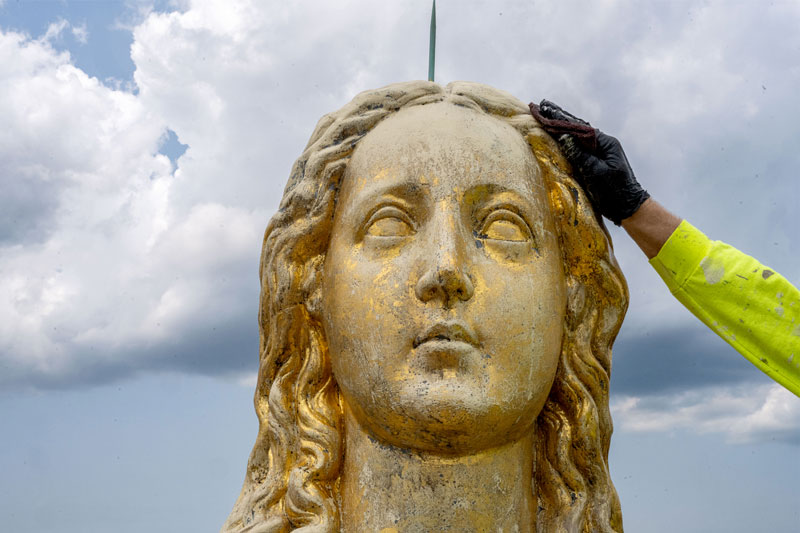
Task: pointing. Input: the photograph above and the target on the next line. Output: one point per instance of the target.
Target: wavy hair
(292, 475)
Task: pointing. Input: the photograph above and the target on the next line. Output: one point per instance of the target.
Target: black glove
(602, 170)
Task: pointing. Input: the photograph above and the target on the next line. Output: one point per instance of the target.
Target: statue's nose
(448, 284)
(446, 275)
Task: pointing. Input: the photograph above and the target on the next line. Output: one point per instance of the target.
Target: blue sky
(145, 146)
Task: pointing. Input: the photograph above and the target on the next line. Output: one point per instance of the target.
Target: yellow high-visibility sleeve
(752, 307)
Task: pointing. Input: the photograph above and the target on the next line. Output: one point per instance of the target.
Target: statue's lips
(447, 345)
(447, 332)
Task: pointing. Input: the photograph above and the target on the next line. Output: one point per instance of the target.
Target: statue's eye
(505, 225)
(389, 222)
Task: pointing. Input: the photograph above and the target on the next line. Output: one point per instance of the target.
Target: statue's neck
(389, 489)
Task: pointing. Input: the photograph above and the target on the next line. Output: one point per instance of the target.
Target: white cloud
(743, 414)
(54, 30)
(113, 266)
(111, 258)
(80, 33)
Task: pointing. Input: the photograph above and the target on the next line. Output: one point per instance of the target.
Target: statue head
(434, 273)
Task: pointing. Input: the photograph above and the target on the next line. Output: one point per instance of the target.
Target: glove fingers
(606, 144)
(554, 111)
(583, 162)
(610, 149)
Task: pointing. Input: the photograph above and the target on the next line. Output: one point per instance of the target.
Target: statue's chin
(450, 415)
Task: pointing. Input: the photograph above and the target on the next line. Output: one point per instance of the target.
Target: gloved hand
(601, 167)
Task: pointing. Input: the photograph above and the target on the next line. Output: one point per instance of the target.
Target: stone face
(438, 305)
(443, 248)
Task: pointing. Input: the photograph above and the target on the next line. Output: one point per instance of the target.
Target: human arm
(650, 226)
(751, 307)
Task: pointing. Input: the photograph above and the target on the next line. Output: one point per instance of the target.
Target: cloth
(752, 307)
(581, 130)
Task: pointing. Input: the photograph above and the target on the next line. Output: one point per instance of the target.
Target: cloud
(80, 33)
(117, 261)
(668, 360)
(102, 276)
(54, 30)
(742, 414)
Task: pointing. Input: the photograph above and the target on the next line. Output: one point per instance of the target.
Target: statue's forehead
(416, 125)
(443, 146)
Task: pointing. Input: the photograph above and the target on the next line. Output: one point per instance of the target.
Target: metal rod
(432, 47)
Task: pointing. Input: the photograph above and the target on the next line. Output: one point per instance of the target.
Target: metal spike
(432, 46)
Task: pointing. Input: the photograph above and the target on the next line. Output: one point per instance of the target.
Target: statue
(437, 312)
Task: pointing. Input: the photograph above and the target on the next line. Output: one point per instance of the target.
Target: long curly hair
(293, 472)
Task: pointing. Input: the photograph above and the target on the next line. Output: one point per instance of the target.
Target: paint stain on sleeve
(712, 270)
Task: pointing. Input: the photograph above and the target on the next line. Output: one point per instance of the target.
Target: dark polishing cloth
(584, 133)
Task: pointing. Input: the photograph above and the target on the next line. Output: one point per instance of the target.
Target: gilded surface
(437, 312)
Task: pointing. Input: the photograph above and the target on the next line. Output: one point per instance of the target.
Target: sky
(145, 145)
